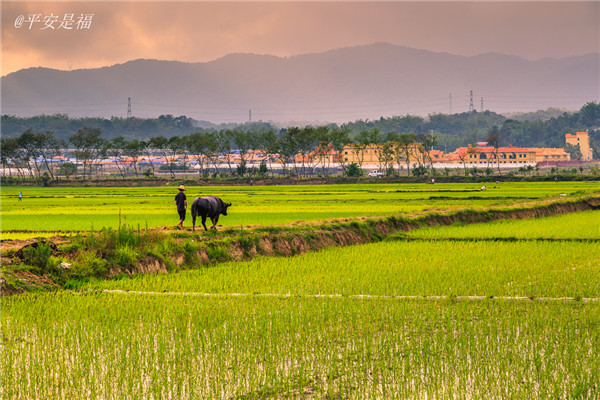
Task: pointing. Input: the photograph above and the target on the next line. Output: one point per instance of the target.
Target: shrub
(38, 256)
(217, 253)
(419, 171)
(190, 249)
(241, 168)
(124, 257)
(75, 283)
(353, 170)
(87, 264)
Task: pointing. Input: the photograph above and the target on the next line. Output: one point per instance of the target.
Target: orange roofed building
(482, 156)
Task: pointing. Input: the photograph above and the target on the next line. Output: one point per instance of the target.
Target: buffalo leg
(214, 221)
(204, 222)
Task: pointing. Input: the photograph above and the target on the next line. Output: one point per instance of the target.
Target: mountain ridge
(384, 78)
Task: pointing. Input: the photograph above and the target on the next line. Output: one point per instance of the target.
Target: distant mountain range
(339, 85)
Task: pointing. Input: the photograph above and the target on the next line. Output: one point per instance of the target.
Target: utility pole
(249, 115)
(450, 102)
(128, 107)
(482, 104)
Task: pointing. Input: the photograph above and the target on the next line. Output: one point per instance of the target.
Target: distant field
(581, 225)
(45, 211)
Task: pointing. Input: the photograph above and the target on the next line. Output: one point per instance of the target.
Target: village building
(487, 156)
(582, 140)
(371, 154)
(550, 154)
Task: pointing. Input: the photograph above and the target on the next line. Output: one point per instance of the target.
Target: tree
(212, 149)
(197, 145)
(590, 115)
(493, 140)
(406, 143)
(471, 151)
(595, 148)
(574, 151)
(11, 155)
(134, 150)
(363, 141)
(289, 147)
(31, 145)
(243, 142)
(339, 138)
(225, 140)
(385, 155)
(88, 145)
(114, 149)
(272, 146)
(51, 148)
(148, 151)
(323, 148)
(176, 146)
(427, 145)
(67, 169)
(462, 155)
(161, 144)
(306, 140)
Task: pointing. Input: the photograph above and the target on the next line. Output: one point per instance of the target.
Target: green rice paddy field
(45, 211)
(487, 311)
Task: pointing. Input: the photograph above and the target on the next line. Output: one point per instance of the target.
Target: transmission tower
(471, 102)
(450, 102)
(128, 107)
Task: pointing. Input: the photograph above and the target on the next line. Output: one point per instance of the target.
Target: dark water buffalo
(208, 206)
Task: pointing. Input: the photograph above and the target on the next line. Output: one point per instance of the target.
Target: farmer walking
(20, 196)
(181, 203)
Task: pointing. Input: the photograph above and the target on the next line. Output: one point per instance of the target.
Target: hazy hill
(339, 85)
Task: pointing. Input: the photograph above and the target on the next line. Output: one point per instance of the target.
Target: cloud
(202, 31)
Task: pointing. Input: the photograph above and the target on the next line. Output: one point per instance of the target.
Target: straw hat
(181, 187)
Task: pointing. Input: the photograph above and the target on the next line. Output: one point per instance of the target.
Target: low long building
(372, 154)
(480, 156)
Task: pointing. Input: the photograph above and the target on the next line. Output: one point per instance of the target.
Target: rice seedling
(65, 346)
(81, 208)
(582, 225)
(411, 317)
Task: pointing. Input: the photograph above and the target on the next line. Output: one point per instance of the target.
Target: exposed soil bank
(188, 250)
(374, 230)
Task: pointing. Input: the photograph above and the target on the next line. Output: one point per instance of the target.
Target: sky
(37, 34)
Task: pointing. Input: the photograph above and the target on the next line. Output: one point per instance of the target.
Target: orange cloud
(202, 31)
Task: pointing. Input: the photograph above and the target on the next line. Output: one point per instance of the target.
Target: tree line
(459, 130)
(300, 151)
(452, 130)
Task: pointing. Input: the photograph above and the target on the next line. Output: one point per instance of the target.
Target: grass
(301, 329)
(582, 225)
(530, 269)
(49, 210)
(108, 346)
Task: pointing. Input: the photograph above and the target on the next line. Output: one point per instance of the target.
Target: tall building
(582, 140)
